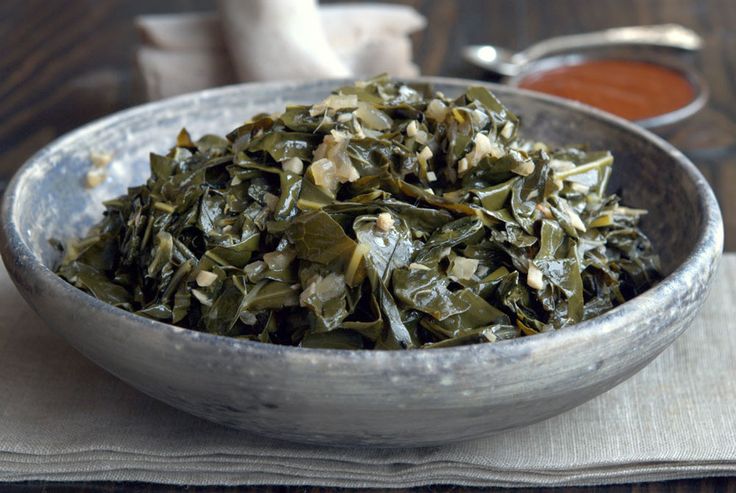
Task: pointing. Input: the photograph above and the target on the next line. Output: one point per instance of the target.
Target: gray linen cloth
(64, 419)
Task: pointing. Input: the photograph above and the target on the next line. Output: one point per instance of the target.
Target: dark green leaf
(428, 222)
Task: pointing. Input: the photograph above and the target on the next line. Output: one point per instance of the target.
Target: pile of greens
(386, 216)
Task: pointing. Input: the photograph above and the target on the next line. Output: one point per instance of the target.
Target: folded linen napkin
(263, 40)
(64, 419)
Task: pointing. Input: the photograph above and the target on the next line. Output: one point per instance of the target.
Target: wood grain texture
(66, 63)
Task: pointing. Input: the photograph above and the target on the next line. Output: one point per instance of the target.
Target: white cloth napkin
(262, 40)
(64, 419)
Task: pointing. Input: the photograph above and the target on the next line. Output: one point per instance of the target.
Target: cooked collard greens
(383, 217)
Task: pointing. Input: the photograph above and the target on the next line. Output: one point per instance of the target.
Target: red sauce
(628, 88)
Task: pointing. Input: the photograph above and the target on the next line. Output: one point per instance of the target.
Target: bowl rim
(700, 87)
(22, 263)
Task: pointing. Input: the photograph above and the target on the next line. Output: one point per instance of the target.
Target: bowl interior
(51, 200)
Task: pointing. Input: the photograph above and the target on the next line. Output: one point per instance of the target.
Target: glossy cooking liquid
(628, 88)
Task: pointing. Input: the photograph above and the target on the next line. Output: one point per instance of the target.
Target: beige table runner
(64, 419)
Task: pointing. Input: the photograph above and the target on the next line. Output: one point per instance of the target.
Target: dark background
(63, 63)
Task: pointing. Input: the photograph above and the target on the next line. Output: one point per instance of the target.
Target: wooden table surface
(64, 63)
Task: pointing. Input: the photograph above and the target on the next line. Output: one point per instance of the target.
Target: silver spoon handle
(668, 35)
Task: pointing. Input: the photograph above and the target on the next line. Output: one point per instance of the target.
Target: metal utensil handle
(667, 35)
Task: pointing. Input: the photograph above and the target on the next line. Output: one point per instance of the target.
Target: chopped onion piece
(384, 221)
(338, 137)
(248, 318)
(309, 291)
(323, 288)
(481, 148)
(334, 102)
(524, 168)
(575, 220)
(425, 155)
(334, 148)
(332, 286)
(205, 278)
(463, 268)
(279, 260)
(373, 117)
(293, 165)
(497, 151)
(320, 152)
(255, 269)
(347, 173)
(324, 174)
(508, 130)
(344, 117)
(436, 110)
(482, 144)
(534, 277)
(561, 164)
(479, 118)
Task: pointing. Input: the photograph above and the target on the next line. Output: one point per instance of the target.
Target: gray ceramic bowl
(372, 398)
